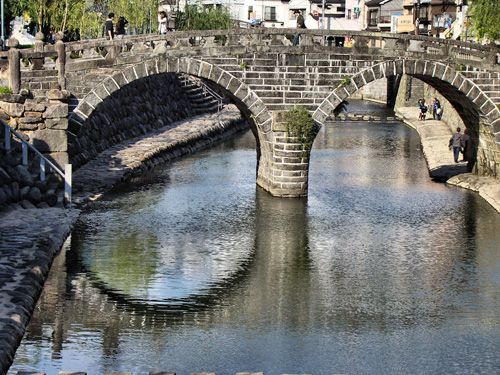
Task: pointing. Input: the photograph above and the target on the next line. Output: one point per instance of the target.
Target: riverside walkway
(434, 137)
(31, 238)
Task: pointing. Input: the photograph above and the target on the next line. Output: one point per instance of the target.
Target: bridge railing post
(14, 66)
(61, 64)
(37, 62)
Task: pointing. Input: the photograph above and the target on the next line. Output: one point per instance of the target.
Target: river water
(191, 268)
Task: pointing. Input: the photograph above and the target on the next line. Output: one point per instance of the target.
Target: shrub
(5, 90)
(300, 123)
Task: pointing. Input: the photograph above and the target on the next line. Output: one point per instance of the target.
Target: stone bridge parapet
(264, 75)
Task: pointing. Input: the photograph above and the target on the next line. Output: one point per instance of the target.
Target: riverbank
(434, 136)
(31, 238)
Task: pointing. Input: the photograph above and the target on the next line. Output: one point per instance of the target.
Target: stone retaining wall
(43, 123)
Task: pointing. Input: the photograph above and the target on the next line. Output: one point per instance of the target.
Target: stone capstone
(49, 140)
(55, 110)
(14, 109)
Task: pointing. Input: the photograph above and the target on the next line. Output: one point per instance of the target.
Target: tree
(199, 17)
(484, 16)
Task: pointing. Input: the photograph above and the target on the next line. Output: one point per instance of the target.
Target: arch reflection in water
(379, 271)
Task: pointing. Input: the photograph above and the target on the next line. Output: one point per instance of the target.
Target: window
(372, 20)
(349, 14)
(250, 11)
(270, 14)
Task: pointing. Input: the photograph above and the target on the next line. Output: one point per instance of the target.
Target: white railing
(66, 175)
(208, 90)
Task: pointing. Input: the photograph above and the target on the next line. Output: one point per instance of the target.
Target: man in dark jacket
(300, 25)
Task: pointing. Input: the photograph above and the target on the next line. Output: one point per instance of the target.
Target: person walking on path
(108, 26)
(422, 109)
(436, 109)
(456, 143)
(300, 25)
(466, 144)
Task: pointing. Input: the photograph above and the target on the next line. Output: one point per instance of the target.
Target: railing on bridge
(206, 90)
(249, 39)
(66, 175)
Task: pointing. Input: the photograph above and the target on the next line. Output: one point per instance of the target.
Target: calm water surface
(192, 268)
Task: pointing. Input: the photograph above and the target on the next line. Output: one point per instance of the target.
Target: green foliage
(243, 64)
(345, 82)
(5, 90)
(300, 123)
(142, 15)
(199, 17)
(484, 16)
(85, 17)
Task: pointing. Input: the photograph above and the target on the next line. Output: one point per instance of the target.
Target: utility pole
(416, 20)
(323, 15)
(3, 28)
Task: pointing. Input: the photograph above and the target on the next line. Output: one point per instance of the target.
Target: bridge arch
(251, 106)
(478, 112)
(281, 169)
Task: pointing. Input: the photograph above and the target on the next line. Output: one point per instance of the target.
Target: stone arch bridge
(265, 75)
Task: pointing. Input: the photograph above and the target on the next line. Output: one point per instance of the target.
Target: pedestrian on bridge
(162, 23)
(120, 27)
(300, 25)
(456, 144)
(108, 26)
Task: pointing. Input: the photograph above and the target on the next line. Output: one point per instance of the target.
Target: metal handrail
(67, 174)
(206, 90)
(214, 94)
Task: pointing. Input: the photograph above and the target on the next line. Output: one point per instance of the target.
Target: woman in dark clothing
(120, 27)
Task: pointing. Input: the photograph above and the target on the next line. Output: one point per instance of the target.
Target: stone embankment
(434, 137)
(31, 238)
(43, 123)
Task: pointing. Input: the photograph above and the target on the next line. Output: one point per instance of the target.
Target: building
(318, 14)
(435, 17)
(379, 14)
